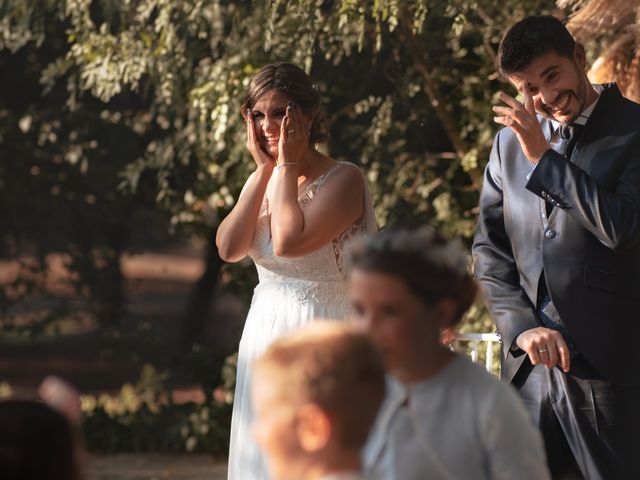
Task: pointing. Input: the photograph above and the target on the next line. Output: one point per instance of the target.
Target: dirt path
(156, 466)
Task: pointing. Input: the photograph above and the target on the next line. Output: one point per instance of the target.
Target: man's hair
(531, 38)
(335, 367)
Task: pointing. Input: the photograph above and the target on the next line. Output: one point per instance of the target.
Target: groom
(557, 249)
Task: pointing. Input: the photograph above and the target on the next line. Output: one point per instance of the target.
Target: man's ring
(542, 350)
(291, 130)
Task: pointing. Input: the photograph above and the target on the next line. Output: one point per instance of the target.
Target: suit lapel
(547, 129)
(596, 126)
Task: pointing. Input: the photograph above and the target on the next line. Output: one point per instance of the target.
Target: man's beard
(580, 94)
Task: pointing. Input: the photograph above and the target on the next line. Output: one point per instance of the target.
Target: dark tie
(569, 133)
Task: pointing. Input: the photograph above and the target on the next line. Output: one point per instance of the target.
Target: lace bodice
(323, 265)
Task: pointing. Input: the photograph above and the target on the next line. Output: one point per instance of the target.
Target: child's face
(274, 426)
(398, 321)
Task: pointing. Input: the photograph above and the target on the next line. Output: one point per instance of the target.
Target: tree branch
(438, 102)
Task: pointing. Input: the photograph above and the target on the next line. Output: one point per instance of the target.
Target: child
(443, 417)
(315, 395)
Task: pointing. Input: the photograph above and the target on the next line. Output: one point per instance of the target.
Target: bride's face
(268, 113)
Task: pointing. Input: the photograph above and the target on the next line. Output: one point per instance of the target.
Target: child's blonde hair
(334, 366)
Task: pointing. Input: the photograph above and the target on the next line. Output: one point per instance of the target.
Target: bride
(294, 215)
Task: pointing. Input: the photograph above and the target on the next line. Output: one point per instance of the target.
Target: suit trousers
(575, 413)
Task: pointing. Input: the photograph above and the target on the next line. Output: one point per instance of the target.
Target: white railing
(475, 339)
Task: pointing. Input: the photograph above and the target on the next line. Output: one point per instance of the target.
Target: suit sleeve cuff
(538, 176)
(513, 349)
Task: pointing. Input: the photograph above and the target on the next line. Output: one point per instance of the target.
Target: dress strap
(310, 190)
(322, 178)
(368, 217)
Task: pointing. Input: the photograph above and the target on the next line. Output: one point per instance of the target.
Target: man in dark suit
(557, 249)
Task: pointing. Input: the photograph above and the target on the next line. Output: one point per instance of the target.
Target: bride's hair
(433, 267)
(293, 82)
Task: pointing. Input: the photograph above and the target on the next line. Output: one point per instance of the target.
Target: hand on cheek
(522, 119)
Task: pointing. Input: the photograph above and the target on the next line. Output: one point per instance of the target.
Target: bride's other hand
(257, 151)
(294, 136)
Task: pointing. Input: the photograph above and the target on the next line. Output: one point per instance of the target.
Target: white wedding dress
(290, 293)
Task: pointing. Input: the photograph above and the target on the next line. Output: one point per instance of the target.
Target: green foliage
(142, 417)
(191, 62)
(407, 86)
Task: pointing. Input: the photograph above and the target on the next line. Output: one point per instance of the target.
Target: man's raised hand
(524, 123)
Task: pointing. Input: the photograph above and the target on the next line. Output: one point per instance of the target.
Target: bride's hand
(294, 136)
(262, 158)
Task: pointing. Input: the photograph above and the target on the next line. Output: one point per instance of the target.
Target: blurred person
(61, 396)
(37, 442)
(557, 250)
(316, 393)
(294, 215)
(444, 417)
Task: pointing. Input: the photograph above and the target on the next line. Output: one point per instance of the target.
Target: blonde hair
(335, 367)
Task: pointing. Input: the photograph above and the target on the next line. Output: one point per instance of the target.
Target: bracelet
(286, 164)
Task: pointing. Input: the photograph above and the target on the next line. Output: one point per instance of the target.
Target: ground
(156, 467)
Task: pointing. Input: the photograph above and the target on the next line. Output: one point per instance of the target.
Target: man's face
(558, 85)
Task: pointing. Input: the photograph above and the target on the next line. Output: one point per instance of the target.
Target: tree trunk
(201, 298)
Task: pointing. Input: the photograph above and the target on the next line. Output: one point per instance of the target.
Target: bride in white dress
(294, 215)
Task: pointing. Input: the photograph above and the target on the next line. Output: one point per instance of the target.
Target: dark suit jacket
(589, 248)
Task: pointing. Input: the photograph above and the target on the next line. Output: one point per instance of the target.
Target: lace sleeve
(367, 224)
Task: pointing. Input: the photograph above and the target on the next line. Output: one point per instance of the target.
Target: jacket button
(550, 233)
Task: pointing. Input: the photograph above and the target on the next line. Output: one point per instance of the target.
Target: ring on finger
(542, 350)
